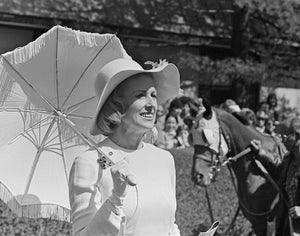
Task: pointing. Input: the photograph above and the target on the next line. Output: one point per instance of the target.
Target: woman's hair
(271, 96)
(110, 114)
(171, 114)
(176, 103)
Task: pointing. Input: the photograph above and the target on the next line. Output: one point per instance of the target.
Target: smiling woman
(121, 194)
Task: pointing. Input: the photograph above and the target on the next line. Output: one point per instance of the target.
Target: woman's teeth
(146, 115)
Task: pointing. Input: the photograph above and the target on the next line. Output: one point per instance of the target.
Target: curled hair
(110, 115)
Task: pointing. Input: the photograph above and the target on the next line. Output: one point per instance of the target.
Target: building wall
(12, 37)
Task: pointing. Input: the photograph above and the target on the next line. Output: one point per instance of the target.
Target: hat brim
(166, 81)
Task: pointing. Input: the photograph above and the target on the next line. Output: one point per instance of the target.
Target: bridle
(217, 158)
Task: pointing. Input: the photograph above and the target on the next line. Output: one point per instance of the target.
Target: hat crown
(109, 70)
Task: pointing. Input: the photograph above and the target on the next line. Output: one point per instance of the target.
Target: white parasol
(47, 102)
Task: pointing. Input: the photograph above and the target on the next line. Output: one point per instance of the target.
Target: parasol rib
(49, 141)
(53, 145)
(56, 69)
(30, 85)
(79, 103)
(62, 150)
(37, 157)
(50, 150)
(30, 139)
(34, 136)
(27, 130)
(31, 110)
(88, 141)
(80, 116)
(91, 62)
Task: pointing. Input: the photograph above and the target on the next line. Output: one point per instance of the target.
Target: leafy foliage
(281, 15)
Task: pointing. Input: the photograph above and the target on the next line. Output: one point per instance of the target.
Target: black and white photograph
(150, 118)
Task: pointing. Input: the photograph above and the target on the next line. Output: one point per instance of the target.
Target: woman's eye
(154, 95)
(140, 95)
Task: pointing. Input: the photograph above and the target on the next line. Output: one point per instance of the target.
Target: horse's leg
(260, 227)
(271, 227)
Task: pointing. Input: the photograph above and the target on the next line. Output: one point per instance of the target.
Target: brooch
(104, 162)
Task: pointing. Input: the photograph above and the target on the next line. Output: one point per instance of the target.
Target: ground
(192, 211)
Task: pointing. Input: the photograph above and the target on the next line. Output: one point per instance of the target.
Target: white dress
(149, 208)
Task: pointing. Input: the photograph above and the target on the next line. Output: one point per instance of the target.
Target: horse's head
(210, 147)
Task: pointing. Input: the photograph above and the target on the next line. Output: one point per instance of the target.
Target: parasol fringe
(24, 54)
(45, 210)
(85, 38)
(6, 83)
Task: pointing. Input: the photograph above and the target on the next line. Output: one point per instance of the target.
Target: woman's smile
(147, 115)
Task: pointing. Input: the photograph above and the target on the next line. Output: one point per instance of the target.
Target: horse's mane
(238, 121)
(243, 119)
(248, 133)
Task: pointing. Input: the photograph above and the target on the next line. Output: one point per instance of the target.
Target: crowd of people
(175, 119)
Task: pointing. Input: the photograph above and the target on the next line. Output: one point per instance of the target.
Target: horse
(218, 135)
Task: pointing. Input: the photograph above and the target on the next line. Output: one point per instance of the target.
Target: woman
(176, 108)
(169, 137)
(130, 191)
(273, 108)
(287, 173)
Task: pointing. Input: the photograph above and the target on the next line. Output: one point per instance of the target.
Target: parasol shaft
(62, 150)
(37, 157)
(84, 138)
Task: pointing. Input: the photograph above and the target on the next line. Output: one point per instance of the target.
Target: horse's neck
(236, 134)
(238, 137)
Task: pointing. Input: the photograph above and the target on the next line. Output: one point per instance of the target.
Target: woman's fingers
(121, 171)
(131, 180)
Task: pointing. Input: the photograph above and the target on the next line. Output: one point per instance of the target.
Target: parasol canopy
(47, 102)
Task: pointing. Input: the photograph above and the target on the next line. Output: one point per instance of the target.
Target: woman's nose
(149, 108)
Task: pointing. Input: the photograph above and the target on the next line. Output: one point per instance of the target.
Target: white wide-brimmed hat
(165, 75)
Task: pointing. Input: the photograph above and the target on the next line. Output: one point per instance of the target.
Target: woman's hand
(255, 146)
(122, 178)
(295, 212)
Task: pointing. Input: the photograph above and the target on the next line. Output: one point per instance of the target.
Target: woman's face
(140, 96)
(265, 107)
(261, 122)
(171, 124)
(160, 111)
(269, 126)
(186, 109)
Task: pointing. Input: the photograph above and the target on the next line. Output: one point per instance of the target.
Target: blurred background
(232, 52)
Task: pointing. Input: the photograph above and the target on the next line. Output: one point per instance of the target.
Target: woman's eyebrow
(140, 90)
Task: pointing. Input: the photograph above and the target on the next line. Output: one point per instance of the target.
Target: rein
(262, 169)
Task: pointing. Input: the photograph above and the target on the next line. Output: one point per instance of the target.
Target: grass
(192, 208)
(192, 211)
